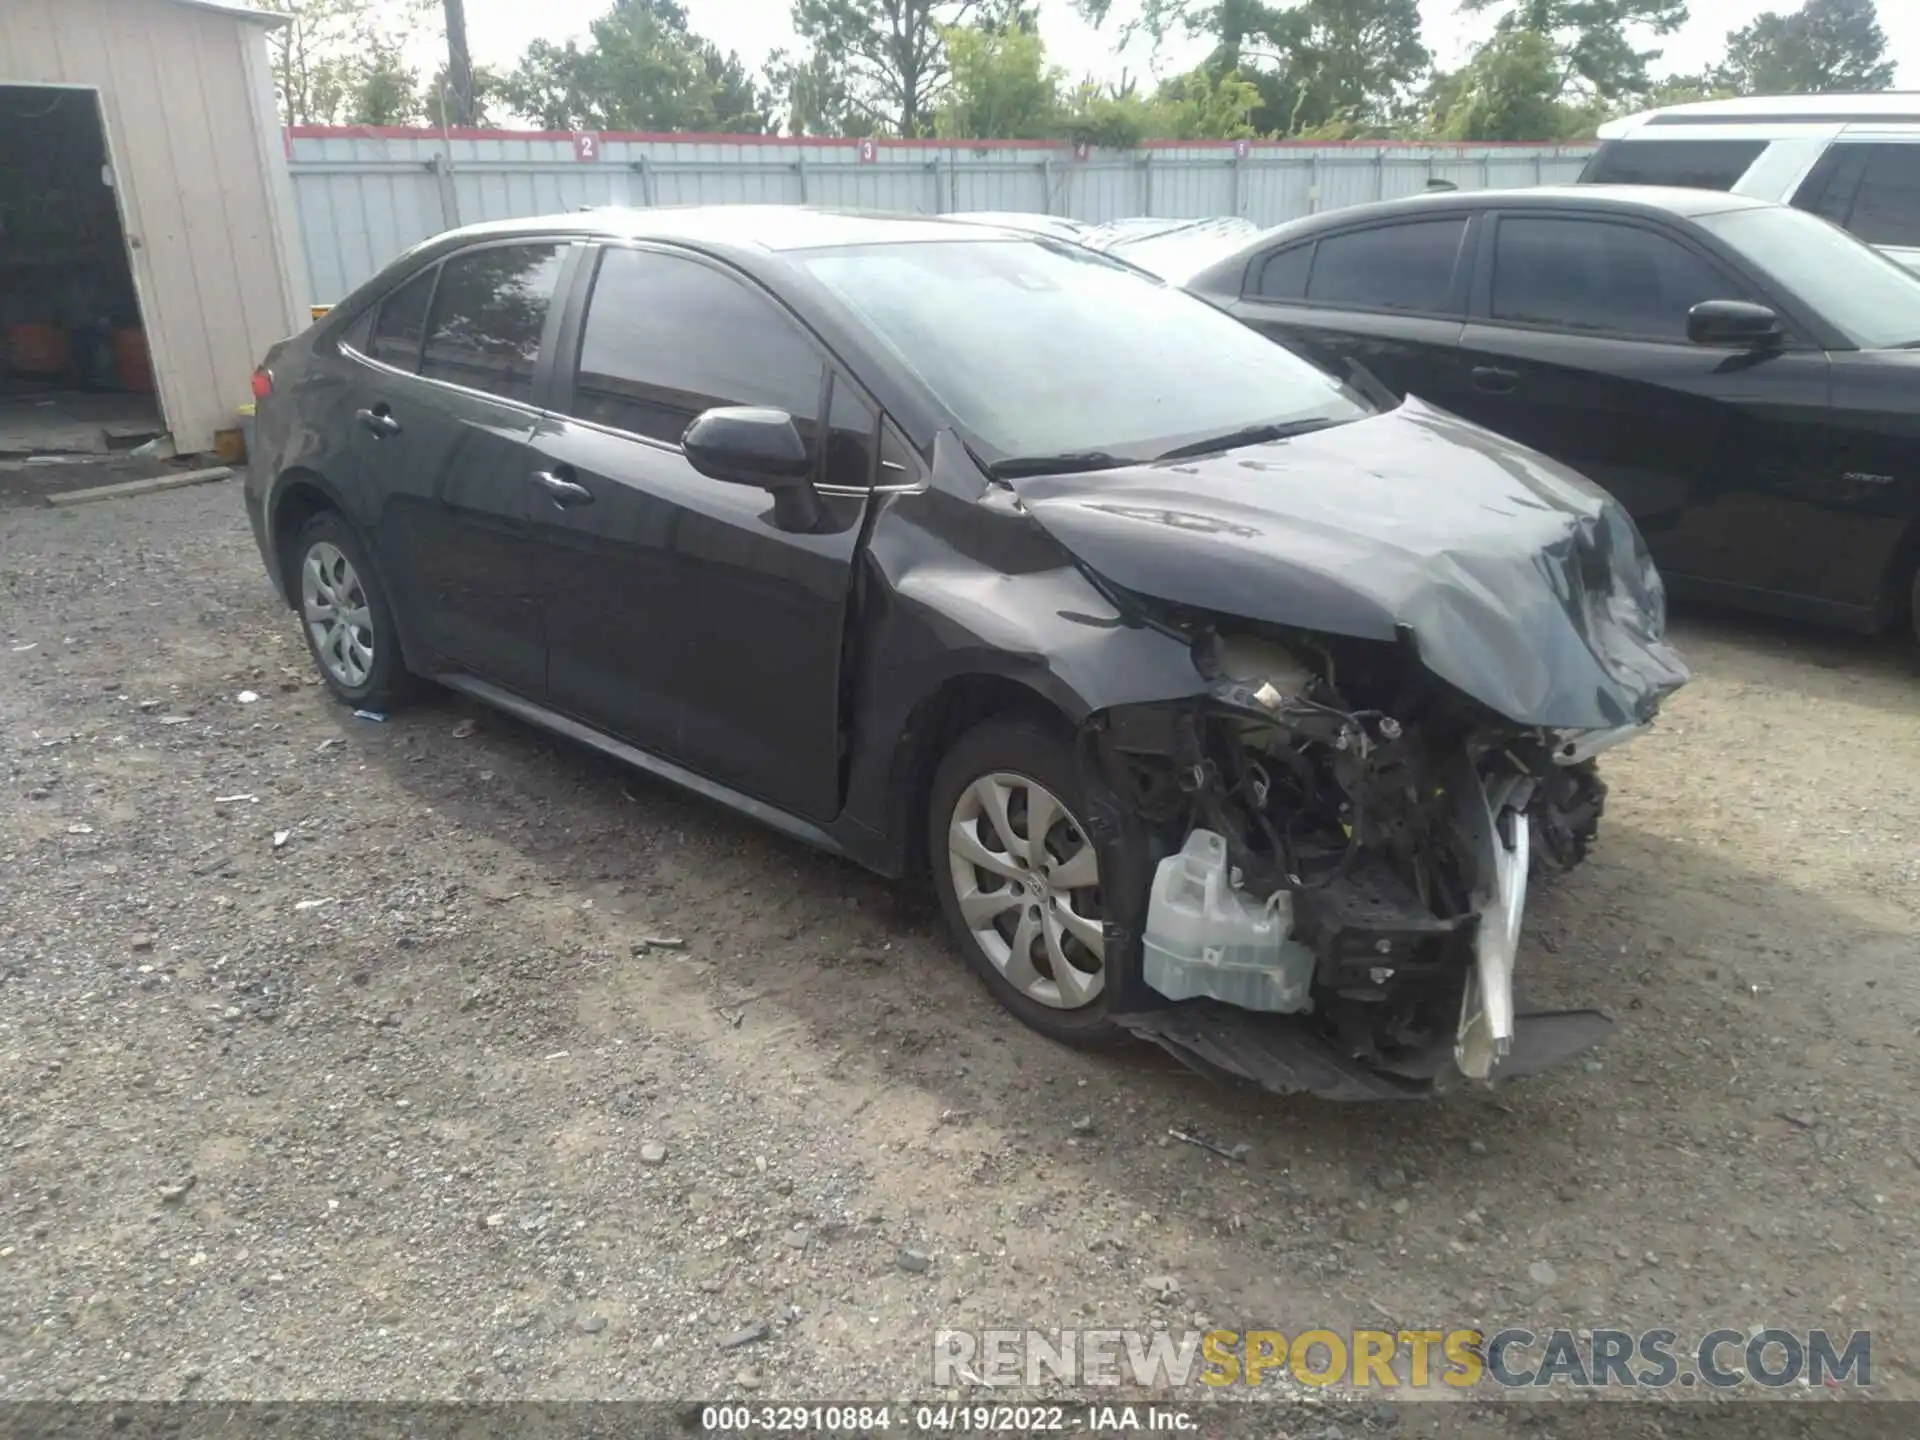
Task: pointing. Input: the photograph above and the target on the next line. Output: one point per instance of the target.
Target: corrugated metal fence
(366, 194)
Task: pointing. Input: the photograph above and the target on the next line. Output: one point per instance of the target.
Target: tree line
(977, 69)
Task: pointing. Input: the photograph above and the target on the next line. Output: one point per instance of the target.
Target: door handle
(1492, 380)
(379, 421)
(562, 490)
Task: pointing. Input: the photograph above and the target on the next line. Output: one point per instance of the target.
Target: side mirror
(1734, 325)
(747, 445)
(750, 445)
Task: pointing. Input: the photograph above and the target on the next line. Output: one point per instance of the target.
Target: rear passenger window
(1592, 276)
(1693, 164)
(1886, 210)
(1284, 276)
(667, 338)
(402, 321)
(1391, 267)
(487, 317)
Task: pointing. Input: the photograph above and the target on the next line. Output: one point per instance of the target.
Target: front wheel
(1019, 878)
(1565, 811)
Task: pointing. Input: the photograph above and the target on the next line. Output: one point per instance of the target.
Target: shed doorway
(75, 378)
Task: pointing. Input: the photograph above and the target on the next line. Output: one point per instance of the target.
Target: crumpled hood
(1524, 585)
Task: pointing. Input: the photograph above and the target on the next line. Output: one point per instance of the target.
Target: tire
(331, 574)
(1565, 811)
(1056, 921)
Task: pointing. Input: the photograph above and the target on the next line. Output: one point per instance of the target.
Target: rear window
(402, 320)
(1391, 267)
(1691, 164)
(1284, 276)
(1872, 190)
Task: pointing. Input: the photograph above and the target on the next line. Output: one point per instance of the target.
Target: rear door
(1578, 348)
(1390, 296)
(1872, 188)
(681, 617)
(446, 406)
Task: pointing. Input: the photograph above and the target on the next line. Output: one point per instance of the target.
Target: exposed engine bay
(1343, 847)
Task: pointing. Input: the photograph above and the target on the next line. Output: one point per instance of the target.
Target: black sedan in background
(1221, 705)
(1743, 377)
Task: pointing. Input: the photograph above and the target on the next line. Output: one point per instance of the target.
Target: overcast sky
(498, 30)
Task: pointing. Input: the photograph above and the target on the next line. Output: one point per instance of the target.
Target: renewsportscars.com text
(1511, 1358)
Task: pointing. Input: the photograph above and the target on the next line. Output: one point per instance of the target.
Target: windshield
(1868, 297)
(1040, 349)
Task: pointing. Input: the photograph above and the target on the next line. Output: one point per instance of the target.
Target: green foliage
(1199, 105)
(337, 60)
(1110, 118)
(485, 100)
(641, 69)
(386, 91)
(876, 66)
(1824, 46)
(1510, 90)
(814, 92)
(1591, 55)
(1324, 64)
(999, 85)
(1206, 105)
(1317, 65)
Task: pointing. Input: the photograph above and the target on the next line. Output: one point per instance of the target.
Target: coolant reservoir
(1207, 938)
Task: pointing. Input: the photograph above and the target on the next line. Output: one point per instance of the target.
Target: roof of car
(1640, 199)
(763, 227)
(1881, 107)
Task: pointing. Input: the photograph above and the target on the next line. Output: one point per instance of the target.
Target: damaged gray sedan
(1224, 706)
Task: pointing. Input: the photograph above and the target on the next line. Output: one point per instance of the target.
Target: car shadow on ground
(1703, 964)
(1880, 670)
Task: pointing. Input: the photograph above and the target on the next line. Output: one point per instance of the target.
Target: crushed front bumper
(1287, 1056)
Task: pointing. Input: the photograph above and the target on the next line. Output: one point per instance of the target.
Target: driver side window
(1600, 278)
(667, 337)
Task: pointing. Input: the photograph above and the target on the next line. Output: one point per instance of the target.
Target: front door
(441, 429)
(1578, 348)
(681, 617)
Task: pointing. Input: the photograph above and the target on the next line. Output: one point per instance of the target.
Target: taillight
(262, 383)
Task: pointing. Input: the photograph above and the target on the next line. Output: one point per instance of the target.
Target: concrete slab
(36, 421)
(146, 486)
(25, 483)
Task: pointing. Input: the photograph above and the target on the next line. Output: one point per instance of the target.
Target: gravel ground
(334, 1060)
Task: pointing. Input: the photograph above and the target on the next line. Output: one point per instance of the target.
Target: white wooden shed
(148, 240)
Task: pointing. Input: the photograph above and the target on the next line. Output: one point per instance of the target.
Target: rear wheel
(1019, 878)
(345, 616)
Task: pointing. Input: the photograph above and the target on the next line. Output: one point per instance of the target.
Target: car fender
(955, 589)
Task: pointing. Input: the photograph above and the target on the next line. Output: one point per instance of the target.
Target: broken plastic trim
(1486, 1010)
(1578, 746)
